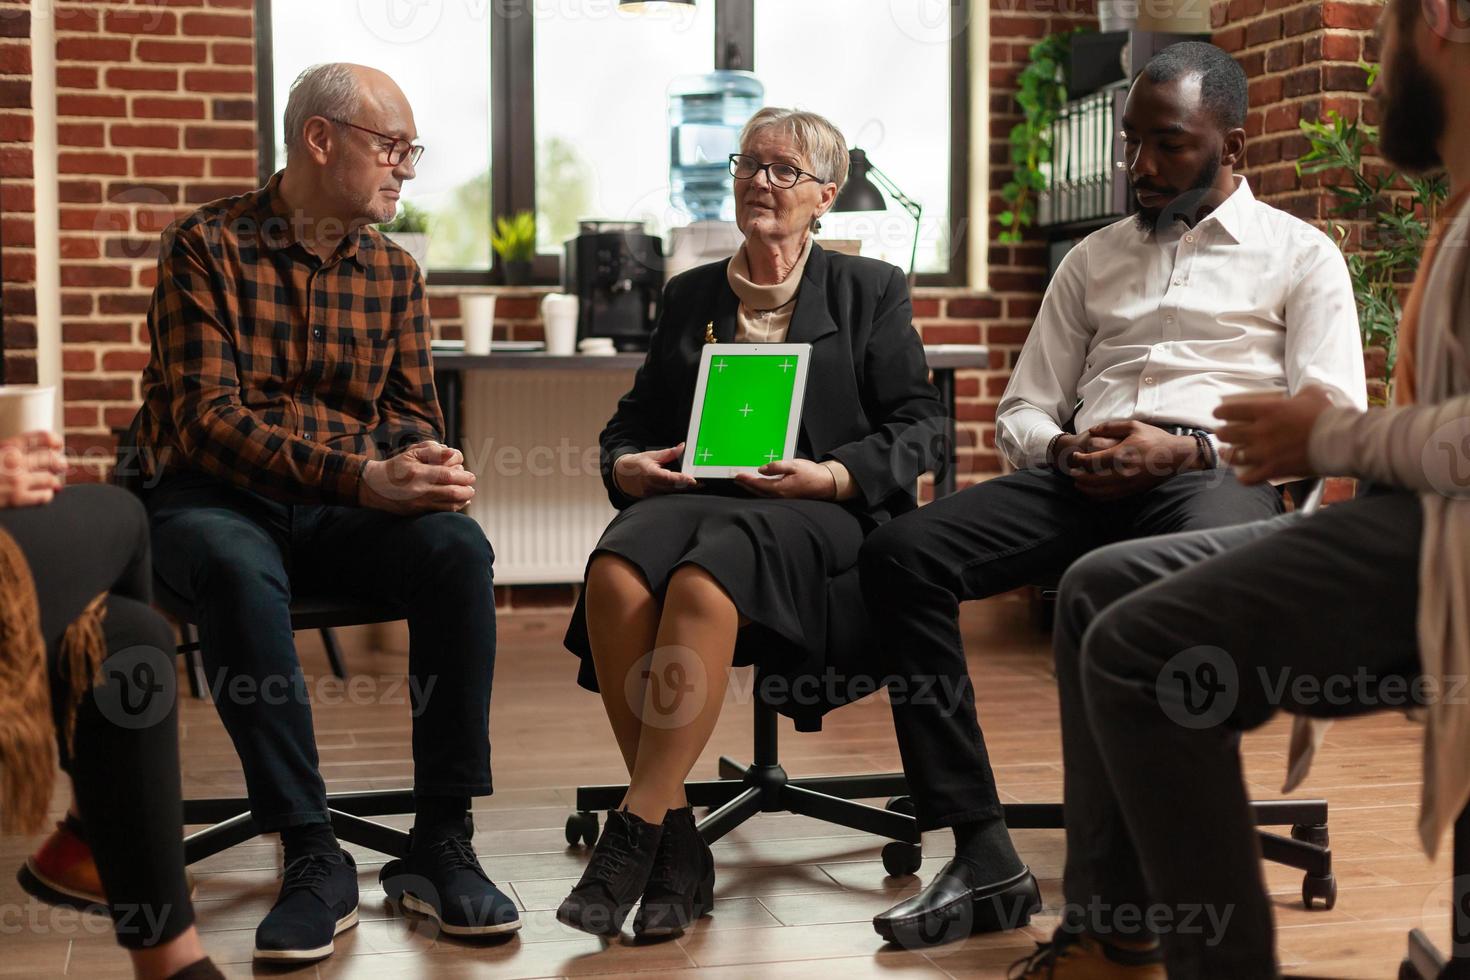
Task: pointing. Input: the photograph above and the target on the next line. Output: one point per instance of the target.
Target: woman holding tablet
(695, 574)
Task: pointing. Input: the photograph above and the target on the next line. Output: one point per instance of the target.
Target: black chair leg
(334, 653)
(732, 814)
(198, 680)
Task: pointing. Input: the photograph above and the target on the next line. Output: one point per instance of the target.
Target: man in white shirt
(1147, 325)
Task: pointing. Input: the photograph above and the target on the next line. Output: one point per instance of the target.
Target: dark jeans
(239, 558)
(1020, 529)
(125, 767)
(1168, 649)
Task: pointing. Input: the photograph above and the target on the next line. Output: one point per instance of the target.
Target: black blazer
(869, 403)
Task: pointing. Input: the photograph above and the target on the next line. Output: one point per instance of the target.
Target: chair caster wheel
(1319, 886)
(901, 804)
(902, 858)
(582, 828)
(1310, 833)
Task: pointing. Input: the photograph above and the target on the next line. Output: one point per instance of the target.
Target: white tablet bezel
(802, 353)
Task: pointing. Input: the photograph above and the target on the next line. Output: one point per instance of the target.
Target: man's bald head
(343, 91)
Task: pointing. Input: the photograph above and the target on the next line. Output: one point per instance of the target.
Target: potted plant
(514, 241)
(409, 229)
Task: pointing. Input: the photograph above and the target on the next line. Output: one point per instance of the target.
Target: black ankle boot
(615, 876)
(681, 887)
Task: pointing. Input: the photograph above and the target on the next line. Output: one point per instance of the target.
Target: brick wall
(17, 194)
(157, 114)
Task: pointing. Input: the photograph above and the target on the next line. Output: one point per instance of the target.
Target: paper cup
(479, 322)
(26, 408)
(559, 321)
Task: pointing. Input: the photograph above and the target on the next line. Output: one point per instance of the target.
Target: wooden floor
(794, 896)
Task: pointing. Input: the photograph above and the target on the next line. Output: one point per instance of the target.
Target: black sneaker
(615, 877)
(318, 900)
(441, 878)
(681, 887)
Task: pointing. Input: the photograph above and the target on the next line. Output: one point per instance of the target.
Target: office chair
(229, 817)
(1423, 960)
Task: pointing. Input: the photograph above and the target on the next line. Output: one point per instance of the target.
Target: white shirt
(1161, 327)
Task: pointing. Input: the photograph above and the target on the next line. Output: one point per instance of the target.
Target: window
(570, 98)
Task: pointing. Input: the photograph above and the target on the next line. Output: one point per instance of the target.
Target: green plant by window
(1399, 227)
(409, 220)
(515, 238)
(1041, 92)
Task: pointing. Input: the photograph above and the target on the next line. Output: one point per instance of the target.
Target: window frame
(513, 114)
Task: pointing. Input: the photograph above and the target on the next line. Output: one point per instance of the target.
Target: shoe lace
(454, 853)
(1046, 955)
(611, 857)
(308, 872)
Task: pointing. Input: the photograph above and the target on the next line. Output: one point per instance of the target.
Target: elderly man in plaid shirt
(292, 432)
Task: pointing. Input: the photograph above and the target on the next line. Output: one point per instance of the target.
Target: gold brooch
(709, 332)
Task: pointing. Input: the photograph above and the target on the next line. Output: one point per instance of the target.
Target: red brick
(72, 17)
(80, 191)
(144, 79)
(221, 166)
(173, 52)
(134, 248)
(1005, 336)
(91, 105)
(15, 93)
(158, 137)
(94, 49)
(95, 331)
(16, 128)
(15, 163)
(94, 219)
(1282, 117)
(147, 19)
(78, 360)
(951, 334)
(15, 22)
(97, 389)
(1354, 16)
(972, 308)
(123, 303)
(1263, 31)
(18, 232)
(118, 417)
(233, 4)
(232, 53)
(167, 166)
(1304, 81)
(154, 107)
(1302, 19)
(1341, 47)
(18, 266)
(1344, 78)
(219, 81)
(17, 198)
(76, 304)
(1231, 40)
(95, 275)
(234, 110)
(15, 59)
(125, 360)
(92, 163)
(79, 416)
(1240, 10)
(219, 138)
(80, 248)
(218, 25)
(1284, 56)
(76, 76)
(139, 192)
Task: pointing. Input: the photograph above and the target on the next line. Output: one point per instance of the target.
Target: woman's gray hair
(816, 139)
(329, 90)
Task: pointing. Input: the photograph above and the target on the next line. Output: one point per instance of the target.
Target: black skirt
(777, 559)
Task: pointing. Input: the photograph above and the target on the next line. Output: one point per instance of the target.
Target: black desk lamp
(860, 194)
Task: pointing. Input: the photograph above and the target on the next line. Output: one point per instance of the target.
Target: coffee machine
(616, 271)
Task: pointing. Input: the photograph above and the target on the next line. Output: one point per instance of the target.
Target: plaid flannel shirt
(276, 370)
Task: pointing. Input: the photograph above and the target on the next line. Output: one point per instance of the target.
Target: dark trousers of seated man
(1023, 528)
(1166, 650)
(239, 558)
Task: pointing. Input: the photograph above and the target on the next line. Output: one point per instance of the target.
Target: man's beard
(1413, 114)
(1185, 204)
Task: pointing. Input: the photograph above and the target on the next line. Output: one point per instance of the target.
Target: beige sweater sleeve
(1418, 447)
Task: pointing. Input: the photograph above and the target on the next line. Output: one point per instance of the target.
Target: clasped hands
(645, 474)
(427, 476)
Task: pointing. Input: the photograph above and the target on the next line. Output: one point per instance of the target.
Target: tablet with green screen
(747, 407)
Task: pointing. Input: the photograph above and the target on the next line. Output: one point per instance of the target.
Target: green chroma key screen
(747, 405)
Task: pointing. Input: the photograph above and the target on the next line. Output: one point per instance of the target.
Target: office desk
(451, 366)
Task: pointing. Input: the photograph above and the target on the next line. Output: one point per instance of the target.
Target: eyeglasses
(399, 149)
(782, 175)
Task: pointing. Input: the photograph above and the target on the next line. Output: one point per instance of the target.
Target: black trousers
(1166, 650)
(239, 557)
(1020, 529)
(125, 767)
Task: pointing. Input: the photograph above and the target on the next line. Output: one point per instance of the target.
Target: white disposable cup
(26, 408)
(479, 322)
(559, 321)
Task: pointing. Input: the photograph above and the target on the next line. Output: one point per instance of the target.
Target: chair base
(231, 822)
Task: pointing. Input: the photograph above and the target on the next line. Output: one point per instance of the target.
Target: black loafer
(957, 904)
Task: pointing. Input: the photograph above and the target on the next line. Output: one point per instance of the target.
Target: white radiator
(530, 437)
